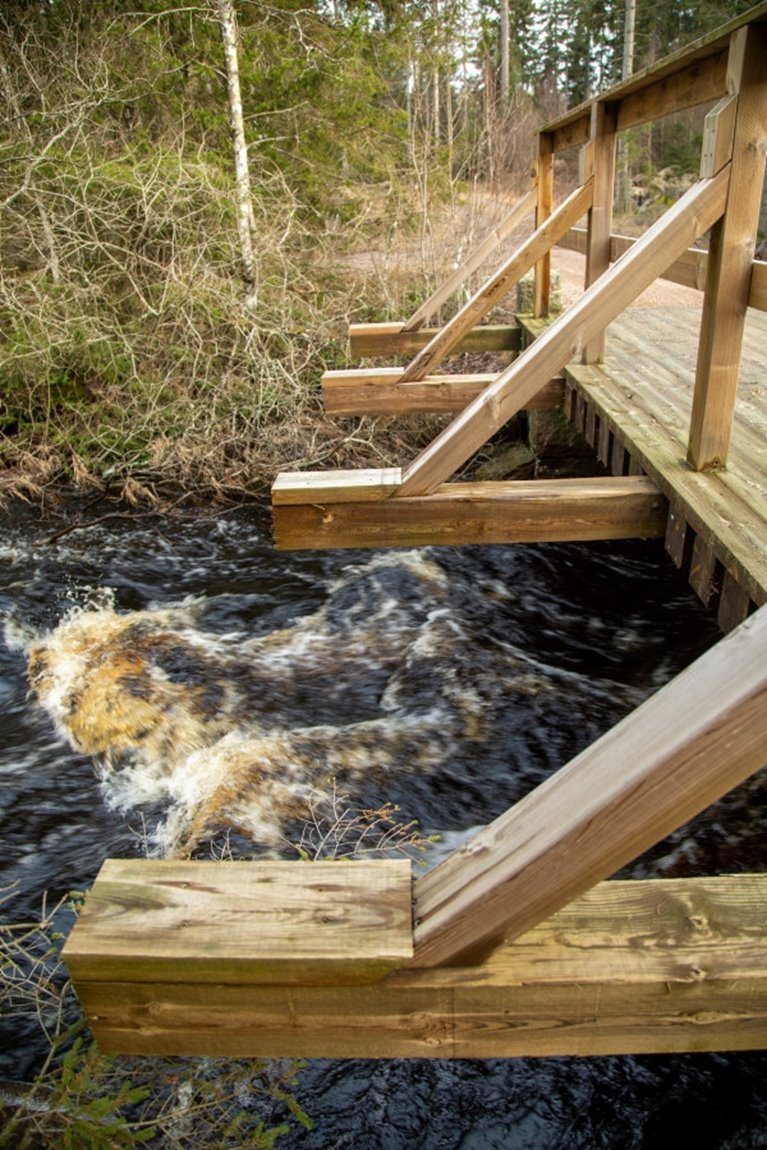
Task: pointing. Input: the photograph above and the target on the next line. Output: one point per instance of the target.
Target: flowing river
(172, 684)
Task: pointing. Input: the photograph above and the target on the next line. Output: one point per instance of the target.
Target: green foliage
(83, 1100)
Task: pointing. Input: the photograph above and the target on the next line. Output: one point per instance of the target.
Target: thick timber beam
(693, 214)
(500, 283)
(494, 239)
(670, 965)
(369, 340)
(681, 750)
(378, 391)
(335, 509)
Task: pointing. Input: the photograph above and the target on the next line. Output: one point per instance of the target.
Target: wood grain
(683, 748)
(253, 922)
(663, 965)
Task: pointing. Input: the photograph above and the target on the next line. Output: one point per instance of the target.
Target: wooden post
(545, 186)
(603, 118)
(696, 211)
(685, 747)
(493, 240)
(731, 249)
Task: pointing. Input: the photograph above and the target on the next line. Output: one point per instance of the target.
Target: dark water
(466, 676)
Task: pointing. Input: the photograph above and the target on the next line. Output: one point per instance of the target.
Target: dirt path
(570, 267)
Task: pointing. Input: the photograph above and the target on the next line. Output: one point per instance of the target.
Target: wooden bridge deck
(640, 398)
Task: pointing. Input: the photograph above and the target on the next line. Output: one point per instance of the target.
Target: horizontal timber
(672, 965)
(689, 270)
(383, 339)
(556, 510)
(377, 391)
(207, 922)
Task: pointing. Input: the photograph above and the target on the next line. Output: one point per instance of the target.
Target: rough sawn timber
(630, 967)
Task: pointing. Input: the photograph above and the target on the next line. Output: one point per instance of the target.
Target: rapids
(176, 687)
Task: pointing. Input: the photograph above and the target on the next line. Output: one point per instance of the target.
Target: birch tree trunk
(228, 24)
(505, 58)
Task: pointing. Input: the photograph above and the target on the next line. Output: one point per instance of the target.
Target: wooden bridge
(515, 944)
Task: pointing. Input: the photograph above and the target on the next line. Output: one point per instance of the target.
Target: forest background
(381, 138)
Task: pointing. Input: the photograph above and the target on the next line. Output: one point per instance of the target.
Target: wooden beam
(386, 339)
(360, 485)
(499, 284)
(378, 391)
(680, 751)
(731, 252)
(693, 214)
(524, 207)
(689, 270)
(672, 965)
(212, 922)
(535, 511)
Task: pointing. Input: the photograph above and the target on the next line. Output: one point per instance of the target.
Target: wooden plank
(499, 284)
(728, 515)
(682, 749)
(691, 85)
(705, 572)
(533, 511)
(378, 391)
(387, 339)
(524, 207)
(734, 604)
(718, 136)
(674, 965)
(689, 270)
(731, 253)
(255, 922)
(679, 540)
(599, 304)
(355, 485)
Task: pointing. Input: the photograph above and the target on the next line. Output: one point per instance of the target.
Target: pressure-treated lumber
(693, 214)
(500, 284)
(367, 340)
(494, 239)
(731, 253)
(536, 511)
(665, 965)
(212, 922)
(601, 212)
(683, 748)
(378, 391)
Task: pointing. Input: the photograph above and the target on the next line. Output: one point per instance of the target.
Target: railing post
(545, 186)
(731, 249)
(603, 121)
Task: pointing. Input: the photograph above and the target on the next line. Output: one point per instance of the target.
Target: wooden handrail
(492, 240)
(499, 285)
(664, 242)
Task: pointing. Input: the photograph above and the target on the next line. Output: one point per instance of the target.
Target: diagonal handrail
(483, 251)
(696, 211)
(500, 283)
